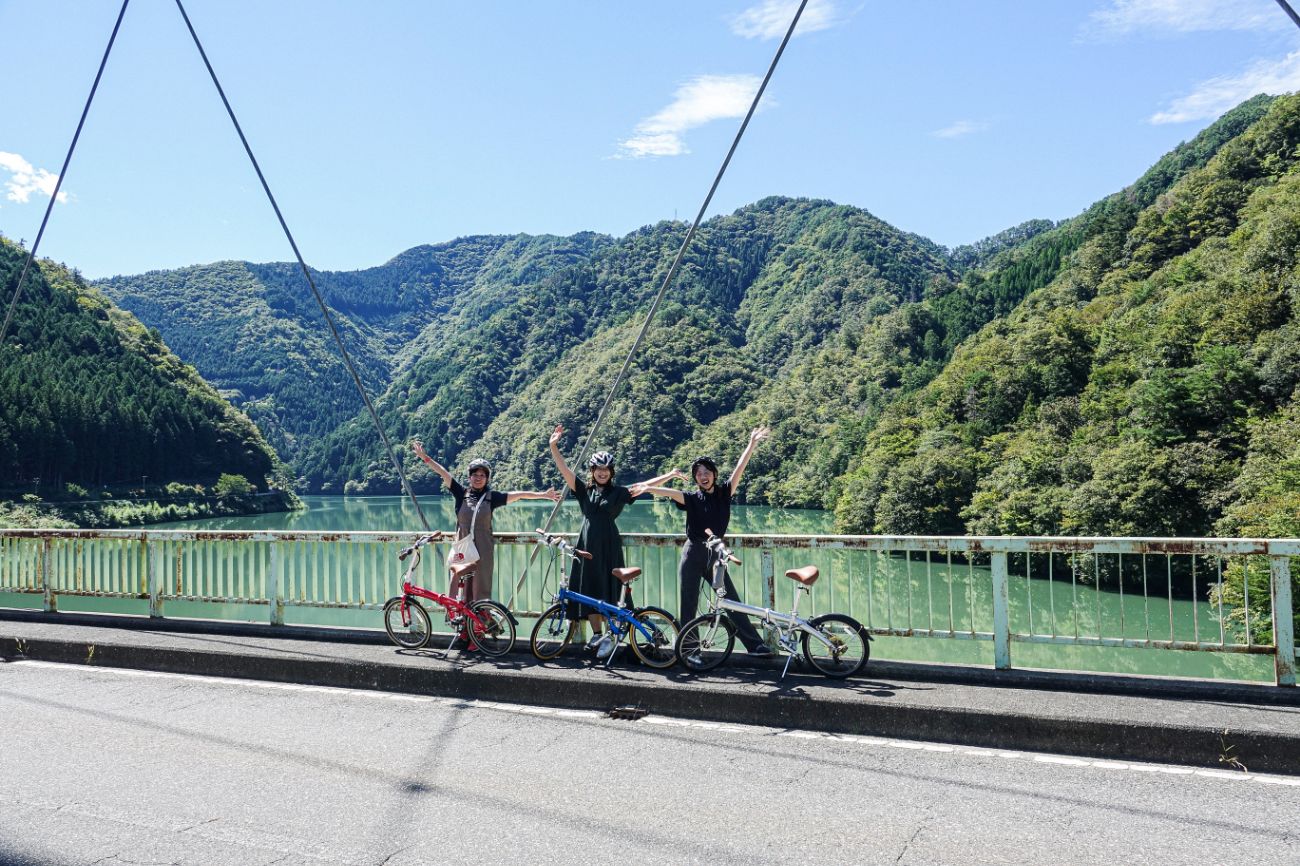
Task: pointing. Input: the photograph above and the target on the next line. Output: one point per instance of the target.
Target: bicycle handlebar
(437, 535)
(719, 547)
(563, 546)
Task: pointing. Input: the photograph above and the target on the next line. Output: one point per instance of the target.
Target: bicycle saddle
(459, 571)
(806, 575)
(626, 575)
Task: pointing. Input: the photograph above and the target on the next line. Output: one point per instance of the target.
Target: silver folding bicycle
(835, 644)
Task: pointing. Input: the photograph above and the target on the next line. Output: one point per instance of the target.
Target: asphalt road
(106, 766)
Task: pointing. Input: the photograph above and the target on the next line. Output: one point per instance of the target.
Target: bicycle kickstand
(788, 658)
(618, 642)
(455, 639)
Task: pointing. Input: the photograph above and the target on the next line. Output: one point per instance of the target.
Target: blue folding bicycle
(652, 631)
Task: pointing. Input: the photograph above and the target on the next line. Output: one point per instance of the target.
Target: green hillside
(256, 333)
(90, 397)
(1149, 389)
(758, 289)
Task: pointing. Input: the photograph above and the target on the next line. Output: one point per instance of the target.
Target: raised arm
(666, 492)
(758, 434)
(437, 467)
(549, 493)
(559, 458)
(659, 480)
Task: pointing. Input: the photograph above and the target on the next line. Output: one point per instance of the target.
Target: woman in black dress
(601, 502)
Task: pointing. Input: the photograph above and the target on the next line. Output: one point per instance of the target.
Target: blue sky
(389, 124)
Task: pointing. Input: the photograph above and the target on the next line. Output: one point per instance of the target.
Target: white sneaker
(605, 647)
(595, 640)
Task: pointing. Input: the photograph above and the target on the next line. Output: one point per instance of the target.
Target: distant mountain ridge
(258, 336)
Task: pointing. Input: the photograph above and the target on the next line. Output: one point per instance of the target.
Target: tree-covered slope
(889, 337)
(256, 333)
(89, 396)
(1149, 389)
(758, 290)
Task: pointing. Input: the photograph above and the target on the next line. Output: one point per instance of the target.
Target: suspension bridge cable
(58, 182)
(306, 272)
(668, 278)
(1286, 7)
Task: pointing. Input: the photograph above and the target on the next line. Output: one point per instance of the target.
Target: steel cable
(668, 278)
(306, 272)
(58, 182)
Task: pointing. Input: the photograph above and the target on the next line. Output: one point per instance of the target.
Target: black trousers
(692, 569)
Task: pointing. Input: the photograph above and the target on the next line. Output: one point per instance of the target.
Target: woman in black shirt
(709, 507)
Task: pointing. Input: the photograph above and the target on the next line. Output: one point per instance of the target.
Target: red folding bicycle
(487, 625)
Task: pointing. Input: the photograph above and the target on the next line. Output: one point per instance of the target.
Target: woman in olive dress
(474, 507)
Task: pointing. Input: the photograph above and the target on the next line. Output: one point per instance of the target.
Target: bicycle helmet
(601, 459)
(707, 463)
(479, 463)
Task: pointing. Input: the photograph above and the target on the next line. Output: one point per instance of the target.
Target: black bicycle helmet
(707, 463)
(479, 463)
(601, 459)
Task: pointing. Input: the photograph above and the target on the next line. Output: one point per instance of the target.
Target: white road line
(719, 727)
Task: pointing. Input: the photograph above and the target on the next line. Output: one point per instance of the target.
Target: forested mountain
(256, 333)
(1149, 389)
(89, 396)
(757, 289)
(1125, 370)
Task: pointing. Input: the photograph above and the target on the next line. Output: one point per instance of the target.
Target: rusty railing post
(274, 592)
(1283, 621)
(1001, 621)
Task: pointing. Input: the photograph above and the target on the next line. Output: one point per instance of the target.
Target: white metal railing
(1160, 593)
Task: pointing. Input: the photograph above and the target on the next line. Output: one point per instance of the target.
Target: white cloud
(25, 180)
(1123, 17)
(771, 18)
(960, 128)
(697, 102)
(1215, 96)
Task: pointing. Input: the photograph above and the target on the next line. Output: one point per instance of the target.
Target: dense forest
(1149, 389)
(90, 397)
(1130, 370)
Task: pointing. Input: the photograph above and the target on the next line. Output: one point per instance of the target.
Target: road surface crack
(199, 824)
(394, 854)
(908, 844)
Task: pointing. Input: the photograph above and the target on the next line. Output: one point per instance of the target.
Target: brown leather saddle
(626, 575)
(806, 576)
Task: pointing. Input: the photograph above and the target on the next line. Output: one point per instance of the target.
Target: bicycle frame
(620, 618)
(615, 615)
(786, 625)
(454, 605)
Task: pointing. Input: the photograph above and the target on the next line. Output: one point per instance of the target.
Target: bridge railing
(1179, 594)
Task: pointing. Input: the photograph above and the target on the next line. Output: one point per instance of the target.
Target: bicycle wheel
(496, 636)
(705, 642)
(552, 633)
(409, 629)
(658, 649)
(851, 649)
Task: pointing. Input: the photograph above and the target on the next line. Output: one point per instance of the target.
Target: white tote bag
(463, 551)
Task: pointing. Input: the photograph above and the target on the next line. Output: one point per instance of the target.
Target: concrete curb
(844, 712)
(1128, 685)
